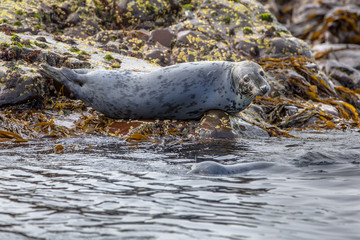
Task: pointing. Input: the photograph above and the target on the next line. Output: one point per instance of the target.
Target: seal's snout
(264, 89)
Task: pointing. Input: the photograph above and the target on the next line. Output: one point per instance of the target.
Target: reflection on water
(104, 188)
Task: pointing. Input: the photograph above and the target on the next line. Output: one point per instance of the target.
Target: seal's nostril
(264, 89)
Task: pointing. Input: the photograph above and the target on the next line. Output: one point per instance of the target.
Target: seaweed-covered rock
(304, 92)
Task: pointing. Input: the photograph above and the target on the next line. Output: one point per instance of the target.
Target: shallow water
(104, 188)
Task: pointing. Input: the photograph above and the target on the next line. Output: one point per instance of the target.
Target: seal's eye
(262, 73)
(246, 79)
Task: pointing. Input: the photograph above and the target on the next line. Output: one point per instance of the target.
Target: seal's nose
(264, 89)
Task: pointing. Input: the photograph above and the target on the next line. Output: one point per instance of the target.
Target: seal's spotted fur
(182, 91)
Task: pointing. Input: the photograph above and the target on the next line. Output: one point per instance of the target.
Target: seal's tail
(63, 75)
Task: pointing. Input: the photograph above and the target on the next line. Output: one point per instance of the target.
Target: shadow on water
(105, 188)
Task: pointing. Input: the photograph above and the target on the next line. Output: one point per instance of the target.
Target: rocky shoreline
(311, 56)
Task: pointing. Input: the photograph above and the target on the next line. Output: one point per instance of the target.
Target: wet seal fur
(183, 91)
(214, 168)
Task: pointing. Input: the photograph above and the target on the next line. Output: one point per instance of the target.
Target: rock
(141, 34)
(331, 21)
(290, 46)
(123, 128)
(11, 53)
(190, 37)
(348, 54)
(106, 36)
(248, 49)
(343, 74)
(161, 56)
(73, 19)
(84, 30)
(163, 36)
(76, 32)
(112, 47)
(248, 130)
(41, 39)
(216, 124)
(18, 89)
(66, 7)
(329, 109)
(153, 13)
(167, 32)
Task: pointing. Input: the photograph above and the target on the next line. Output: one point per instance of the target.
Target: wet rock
(124, 128)
(248, 130)
(216, 124)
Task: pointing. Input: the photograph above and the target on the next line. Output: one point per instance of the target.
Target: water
(105, 188)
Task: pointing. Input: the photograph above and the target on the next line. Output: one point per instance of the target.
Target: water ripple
(103, 188)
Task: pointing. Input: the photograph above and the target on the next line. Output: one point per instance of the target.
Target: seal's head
(249, 79)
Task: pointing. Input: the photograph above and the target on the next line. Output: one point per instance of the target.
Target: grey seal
(214, 168)
(183, 91)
